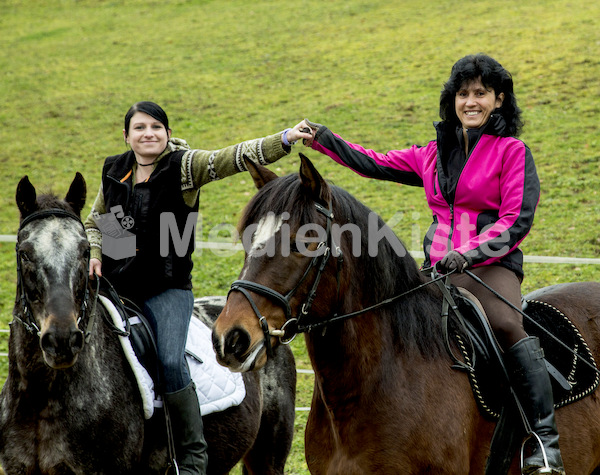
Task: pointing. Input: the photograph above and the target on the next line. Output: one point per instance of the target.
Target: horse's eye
(24, 256)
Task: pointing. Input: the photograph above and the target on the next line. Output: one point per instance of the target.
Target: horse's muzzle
(61, 346)
(234, 351)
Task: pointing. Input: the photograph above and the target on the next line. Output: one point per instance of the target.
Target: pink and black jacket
(483, 203)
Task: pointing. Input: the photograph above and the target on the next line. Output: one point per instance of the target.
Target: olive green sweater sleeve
(200, 167)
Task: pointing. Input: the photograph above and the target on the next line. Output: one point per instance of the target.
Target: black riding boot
(188, 431)
(531, 383)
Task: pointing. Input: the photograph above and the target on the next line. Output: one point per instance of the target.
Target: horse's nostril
(237, 342)
(76, 341)
(49, 343)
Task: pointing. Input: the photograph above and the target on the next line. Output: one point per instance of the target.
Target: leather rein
(29, 321)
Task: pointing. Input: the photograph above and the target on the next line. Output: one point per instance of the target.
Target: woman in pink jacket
(482, 187)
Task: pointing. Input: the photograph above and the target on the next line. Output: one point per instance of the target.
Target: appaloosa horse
(386, 399)
(70, 404)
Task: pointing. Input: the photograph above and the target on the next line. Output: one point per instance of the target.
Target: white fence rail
(234, 247)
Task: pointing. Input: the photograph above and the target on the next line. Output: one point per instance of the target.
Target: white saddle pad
(216, 386)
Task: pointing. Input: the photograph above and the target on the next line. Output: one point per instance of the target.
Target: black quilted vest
(149, 273)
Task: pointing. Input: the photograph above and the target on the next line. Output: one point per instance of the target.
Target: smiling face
(474, 103)
(146, 136)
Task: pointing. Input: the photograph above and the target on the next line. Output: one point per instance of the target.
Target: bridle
(28, 321)
(294, 325)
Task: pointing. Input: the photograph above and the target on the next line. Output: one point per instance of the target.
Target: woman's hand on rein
(95, 267)
(454, 261)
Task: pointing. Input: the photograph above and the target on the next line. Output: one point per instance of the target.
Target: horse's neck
(351, 351)
(355, 356)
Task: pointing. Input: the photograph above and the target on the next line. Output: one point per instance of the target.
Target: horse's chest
(44, 433)
(41, 437)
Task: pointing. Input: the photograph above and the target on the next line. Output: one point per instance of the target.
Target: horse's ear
(26, 197)
(312, 179)
(77, 193)
(260, 174)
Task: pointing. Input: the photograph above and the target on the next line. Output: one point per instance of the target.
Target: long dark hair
(492, 75)
(150, 108)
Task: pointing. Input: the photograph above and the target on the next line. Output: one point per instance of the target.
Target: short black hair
(492, 75)
(150, 108)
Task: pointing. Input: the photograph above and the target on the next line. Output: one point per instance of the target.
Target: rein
(294, 325)
(28, 321)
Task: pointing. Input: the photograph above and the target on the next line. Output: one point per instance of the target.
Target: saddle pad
(216, 386)
(144, 381)
(583, 379)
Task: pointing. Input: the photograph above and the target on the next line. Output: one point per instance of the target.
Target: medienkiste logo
(117, 242)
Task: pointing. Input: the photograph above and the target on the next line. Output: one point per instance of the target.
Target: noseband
(29, 321)
(293, 326)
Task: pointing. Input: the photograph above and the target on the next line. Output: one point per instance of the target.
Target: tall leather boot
(188, 431)
(531, 382)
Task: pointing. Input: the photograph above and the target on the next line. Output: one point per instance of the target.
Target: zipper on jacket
(453, 194)
(450, 247)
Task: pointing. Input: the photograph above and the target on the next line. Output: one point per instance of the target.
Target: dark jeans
(506, 322)
(169, 315)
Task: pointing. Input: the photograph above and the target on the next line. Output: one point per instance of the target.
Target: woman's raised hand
(304, 130)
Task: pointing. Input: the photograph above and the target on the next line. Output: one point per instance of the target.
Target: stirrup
(173, 466)
(546, 469)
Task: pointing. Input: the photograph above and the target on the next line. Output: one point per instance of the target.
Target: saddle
(566, 354)
(217, 387)
(564, 348)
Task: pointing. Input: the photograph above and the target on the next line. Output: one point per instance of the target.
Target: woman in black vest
(153, 189)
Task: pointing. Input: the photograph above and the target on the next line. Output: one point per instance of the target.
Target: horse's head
(290, 258)
(52, 270)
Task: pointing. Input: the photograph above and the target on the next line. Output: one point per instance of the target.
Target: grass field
(229, 70)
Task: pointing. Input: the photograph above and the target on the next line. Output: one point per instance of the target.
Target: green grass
(229, 70)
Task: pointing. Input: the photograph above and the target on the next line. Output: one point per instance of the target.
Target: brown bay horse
(386, 399)
(70, 403)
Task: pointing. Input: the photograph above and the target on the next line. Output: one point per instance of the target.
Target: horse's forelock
(50, 200)
(284, 194)
(57, 241)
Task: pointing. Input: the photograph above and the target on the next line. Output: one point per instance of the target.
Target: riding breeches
(506, 322)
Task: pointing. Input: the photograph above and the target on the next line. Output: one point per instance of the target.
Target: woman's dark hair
(150, 108)
(492, 75)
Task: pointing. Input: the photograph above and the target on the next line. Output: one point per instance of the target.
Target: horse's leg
(274, 441)
(231, 433)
